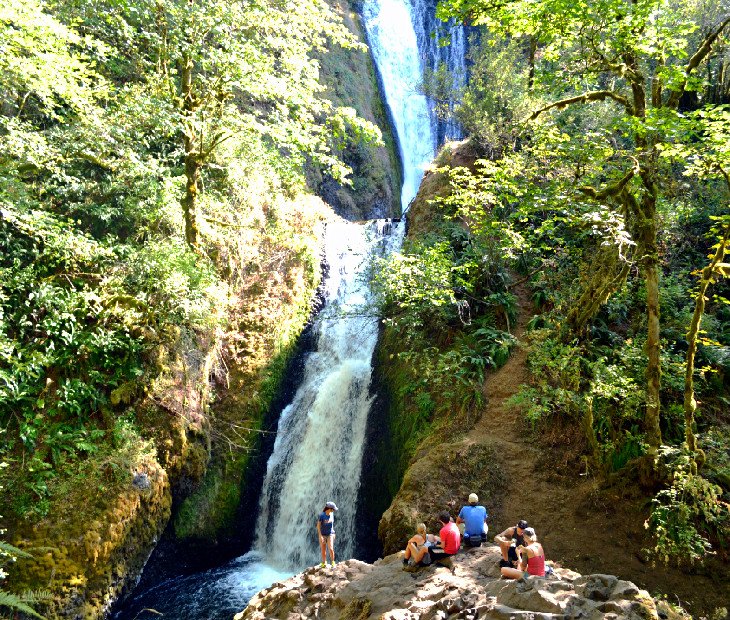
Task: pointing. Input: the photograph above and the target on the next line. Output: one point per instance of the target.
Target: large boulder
(355, 590)
(440, 478)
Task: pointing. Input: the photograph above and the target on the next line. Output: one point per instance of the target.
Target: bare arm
(505, 536)
(521, 564)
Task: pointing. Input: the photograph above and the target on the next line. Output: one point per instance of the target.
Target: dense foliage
(135, 136)
(603, 183)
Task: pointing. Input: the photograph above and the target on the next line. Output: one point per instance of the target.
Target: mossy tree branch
(716, 268)
(588, 97)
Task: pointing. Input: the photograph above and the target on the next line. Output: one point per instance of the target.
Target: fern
(8, 550)
(20, 603)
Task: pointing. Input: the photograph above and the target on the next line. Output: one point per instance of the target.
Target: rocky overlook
(354, 590)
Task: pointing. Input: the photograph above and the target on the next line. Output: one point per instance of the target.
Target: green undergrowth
(209, 513)
(447, 317)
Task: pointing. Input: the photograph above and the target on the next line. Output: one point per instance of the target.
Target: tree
(706, 155)
(222, 70)
(636, 56)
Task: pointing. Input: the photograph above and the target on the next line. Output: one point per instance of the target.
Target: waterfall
(404, 38)
(318, 449)
(394, 45)
(431, 33)
(317, 455)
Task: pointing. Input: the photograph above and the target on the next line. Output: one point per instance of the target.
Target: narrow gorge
(256, 256)
(321, 433)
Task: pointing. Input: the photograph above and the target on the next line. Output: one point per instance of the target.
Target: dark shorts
(436, 553)
(475, 540)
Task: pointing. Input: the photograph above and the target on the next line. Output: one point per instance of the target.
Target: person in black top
(508, 542)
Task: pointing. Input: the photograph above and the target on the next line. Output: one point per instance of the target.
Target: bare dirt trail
(582, 525)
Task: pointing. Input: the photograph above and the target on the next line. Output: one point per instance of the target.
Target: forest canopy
(135, 137)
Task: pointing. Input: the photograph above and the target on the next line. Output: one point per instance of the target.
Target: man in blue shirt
(326, 532)
(474, 518)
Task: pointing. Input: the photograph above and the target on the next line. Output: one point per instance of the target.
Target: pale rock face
(474, 590)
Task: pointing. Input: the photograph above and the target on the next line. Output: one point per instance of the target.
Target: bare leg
(322, 547)
(512, 573)
(419, 554)
(331, 546)
(504, 548)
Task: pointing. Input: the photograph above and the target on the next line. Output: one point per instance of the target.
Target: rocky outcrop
(473, 589)
(439, 478)
(350, 80)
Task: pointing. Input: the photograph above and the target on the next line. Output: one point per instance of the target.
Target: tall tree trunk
(192, 160)
(590, 433)
(531, 61)
(189, 200)
(708, 274)
(648, 228)
(690, 405)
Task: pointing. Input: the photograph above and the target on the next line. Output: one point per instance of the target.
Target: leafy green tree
(636, 56)
(222, 70)
(706, 156)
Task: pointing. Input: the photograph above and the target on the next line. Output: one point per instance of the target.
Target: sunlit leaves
(43, 59)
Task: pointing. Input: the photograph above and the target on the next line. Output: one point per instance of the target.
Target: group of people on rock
(522, 554)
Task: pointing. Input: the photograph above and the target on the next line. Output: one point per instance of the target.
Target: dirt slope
(582, 525)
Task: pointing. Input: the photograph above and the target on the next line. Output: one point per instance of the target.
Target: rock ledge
(354, 590)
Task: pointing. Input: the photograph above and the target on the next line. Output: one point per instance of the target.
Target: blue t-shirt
(327, 523)
(473, 518)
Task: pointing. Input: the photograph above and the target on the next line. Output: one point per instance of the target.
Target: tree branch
(594, 95)
(614, 189)
(704, 49)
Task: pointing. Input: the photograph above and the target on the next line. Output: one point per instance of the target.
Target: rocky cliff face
(472, 589)
(351, 81)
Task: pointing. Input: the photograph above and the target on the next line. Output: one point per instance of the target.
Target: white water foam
(317, 454)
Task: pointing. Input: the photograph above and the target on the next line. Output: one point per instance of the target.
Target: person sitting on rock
(530, 558)
(508, 541)
(474, 518)
(326, 532)
(447, 542)
(417, 542)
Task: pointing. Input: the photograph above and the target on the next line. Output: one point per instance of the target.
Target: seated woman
(444, 546)
(418, 541)
(530, 558)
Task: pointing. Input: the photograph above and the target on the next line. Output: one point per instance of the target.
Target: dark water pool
(216, 594)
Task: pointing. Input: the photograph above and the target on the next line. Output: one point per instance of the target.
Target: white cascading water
(431, 33)
(317, 454)
(390, 28)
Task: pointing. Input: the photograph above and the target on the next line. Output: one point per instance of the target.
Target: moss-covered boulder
(440, 478)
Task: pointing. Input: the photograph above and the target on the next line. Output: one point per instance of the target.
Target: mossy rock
(422, 215)
(350, 80)
(441, 479)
